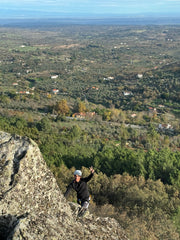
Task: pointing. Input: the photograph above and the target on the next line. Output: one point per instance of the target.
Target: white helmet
(78, 172)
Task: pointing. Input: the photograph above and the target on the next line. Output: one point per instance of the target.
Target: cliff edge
(32, 206)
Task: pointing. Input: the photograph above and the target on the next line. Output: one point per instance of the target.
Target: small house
(54, 76)
(127, 93)
(55, 91)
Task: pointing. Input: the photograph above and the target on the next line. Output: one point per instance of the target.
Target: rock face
(32, 206)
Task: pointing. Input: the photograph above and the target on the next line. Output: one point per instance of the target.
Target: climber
(79, 184)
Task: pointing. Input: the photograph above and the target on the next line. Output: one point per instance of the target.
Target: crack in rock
(17, 158)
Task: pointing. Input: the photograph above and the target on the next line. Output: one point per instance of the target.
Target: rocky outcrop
(32, 206)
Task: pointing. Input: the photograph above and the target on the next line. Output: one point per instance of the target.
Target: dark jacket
(81, 188)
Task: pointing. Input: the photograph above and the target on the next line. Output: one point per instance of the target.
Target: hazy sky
(26, 8)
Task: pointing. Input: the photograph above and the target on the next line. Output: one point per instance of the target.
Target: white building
(54, 76)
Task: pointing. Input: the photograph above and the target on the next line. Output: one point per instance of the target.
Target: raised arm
(86, 179)
(91, 169)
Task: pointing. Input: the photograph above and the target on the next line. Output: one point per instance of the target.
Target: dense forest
(102, 96)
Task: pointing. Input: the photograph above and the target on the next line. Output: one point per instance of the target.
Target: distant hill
(32, 21)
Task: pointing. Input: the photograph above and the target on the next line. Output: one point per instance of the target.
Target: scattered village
(121, 85)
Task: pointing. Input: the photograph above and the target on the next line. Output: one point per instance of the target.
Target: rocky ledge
(32, 206)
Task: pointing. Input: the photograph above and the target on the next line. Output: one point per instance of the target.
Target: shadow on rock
(8, 224)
